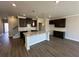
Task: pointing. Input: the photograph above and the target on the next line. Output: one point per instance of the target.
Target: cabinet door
(22, 22)
(51, 22)
(28, 20)
(59, 34)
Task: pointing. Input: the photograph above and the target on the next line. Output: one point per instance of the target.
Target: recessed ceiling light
(49, 16)
(57, 1)
(13, 4)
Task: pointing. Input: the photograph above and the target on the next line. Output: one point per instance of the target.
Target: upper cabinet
(51, 22)
(28, 20)
(24, 21)
(58, 22)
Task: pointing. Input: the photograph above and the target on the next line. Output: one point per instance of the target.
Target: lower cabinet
(22, 36)
(59, 34)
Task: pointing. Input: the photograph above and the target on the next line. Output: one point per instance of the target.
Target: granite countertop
(33, 33)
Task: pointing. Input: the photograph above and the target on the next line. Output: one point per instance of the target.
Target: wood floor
(54, 48)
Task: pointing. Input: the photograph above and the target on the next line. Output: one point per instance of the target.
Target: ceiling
(39, 8)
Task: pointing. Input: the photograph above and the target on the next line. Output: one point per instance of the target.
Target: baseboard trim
(68, 38)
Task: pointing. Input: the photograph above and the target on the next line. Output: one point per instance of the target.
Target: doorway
(6, 28)
(5, 25)
(40, 26)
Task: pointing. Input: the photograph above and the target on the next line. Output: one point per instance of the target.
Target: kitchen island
(32, 38)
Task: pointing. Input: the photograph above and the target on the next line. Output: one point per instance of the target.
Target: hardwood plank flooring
(56, 47)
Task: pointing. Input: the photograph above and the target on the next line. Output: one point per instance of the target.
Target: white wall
(41, 20)
(12, 23)
(72, 28)
(51, 29)
(47, 25)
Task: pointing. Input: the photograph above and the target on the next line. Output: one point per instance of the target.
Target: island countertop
(33, 33)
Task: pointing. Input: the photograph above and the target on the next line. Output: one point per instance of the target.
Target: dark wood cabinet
(22, 35)
(22, 22)
(51, 22)
(59, 34)
(58, 22)
(28, 20)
